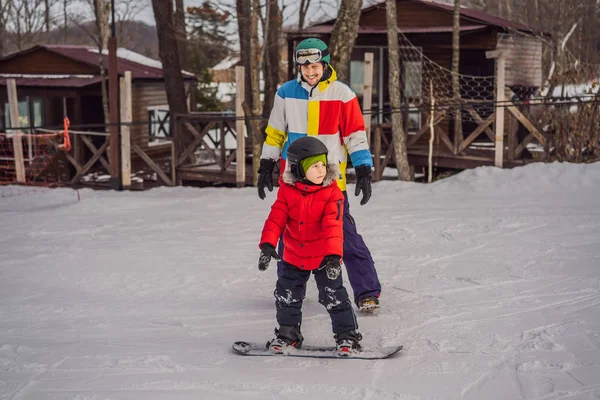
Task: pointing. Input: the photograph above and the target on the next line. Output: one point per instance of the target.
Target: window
(357, 70)
(413, 121)
(357, 74)
(30, 113)
(412, 79)
(159, 120)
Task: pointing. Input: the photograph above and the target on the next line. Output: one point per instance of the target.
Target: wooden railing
(511, 149)
(222, 131)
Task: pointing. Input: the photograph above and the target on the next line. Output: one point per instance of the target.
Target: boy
(309, 211)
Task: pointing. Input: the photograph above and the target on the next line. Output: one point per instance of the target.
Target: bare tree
(181, 33)
(343, 36)
(398, 136)
(47, 15)
(26, 21)
(5, 9)
(509, 13)
(127, 10)
(255, 57)
(248, 16)
(65, 20)
(560, 34)
(169, 55)
(458, 132)
(102, 12)
(304, 5)
(244, 11)
(272, 54)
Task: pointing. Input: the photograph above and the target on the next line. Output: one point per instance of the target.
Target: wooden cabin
(58, 80)
(425, 38)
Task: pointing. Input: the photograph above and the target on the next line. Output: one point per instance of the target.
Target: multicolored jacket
(310, 217)
(330, 112)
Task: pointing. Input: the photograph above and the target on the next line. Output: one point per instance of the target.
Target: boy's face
(316, 173)
(312, 73)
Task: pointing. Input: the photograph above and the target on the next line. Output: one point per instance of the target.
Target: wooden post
(113, 98)
(431, 133)
(126, 118)
(368, 94)
(78, 146)
(513, 127)
(13, 104)
(499, 125)
(377, 154)
(240, 129)
(222, 156)
(174, 165)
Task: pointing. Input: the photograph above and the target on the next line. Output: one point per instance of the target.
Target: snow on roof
(226, 63)
(45, 76)
(132, 56)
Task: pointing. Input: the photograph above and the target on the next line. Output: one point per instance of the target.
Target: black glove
(363, 182)
(267, 251)
(332, 266)
(265, 179)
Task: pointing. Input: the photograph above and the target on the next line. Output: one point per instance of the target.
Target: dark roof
(402, 29)
(478, 18)
(141, 67)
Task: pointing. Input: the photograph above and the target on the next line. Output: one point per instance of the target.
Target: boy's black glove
(363, 182)
(265, 179)
(267, 251)
(332, 266)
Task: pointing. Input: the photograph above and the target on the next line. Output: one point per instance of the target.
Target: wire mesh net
(424, 78)
(33, 159)
(562, 109)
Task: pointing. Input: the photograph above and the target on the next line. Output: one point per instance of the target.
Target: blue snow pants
(357, 259)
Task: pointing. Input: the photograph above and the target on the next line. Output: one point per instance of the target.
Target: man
(317, 104)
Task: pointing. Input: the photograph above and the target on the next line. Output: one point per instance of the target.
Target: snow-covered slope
(491, 281)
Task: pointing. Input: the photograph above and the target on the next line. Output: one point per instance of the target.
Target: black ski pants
(289, 294)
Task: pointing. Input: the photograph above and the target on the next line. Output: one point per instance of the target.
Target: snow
(226, 91)
(491, 280)
(584, 90)
(132, 56)
(44, 76)
(227, 63)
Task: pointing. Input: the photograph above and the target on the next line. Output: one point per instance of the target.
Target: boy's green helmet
(312, 50)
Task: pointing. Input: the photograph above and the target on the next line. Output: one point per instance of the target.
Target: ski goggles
(309, 56)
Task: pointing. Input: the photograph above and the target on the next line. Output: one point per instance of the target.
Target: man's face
(312, 73)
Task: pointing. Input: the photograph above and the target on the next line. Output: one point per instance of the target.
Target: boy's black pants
(290, 290)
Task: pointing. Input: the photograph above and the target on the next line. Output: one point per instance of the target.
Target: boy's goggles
(309, 56)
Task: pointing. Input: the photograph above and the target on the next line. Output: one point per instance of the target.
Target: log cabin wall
(523, 59)
(45, 62)
(145, 94)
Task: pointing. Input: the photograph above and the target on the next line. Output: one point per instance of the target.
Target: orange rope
(66, 146)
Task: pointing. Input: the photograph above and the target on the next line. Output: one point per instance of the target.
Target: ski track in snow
(491, 280)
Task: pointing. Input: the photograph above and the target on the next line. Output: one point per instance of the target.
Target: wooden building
(54, 81)
(426, 27)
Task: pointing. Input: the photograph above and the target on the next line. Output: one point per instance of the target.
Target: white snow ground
(491, 280)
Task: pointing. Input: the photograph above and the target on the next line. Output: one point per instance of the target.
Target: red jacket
(310, 217)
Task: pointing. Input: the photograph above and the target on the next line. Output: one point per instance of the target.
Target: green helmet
(312, 50)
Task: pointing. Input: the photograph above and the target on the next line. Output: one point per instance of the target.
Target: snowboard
(255, 349)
